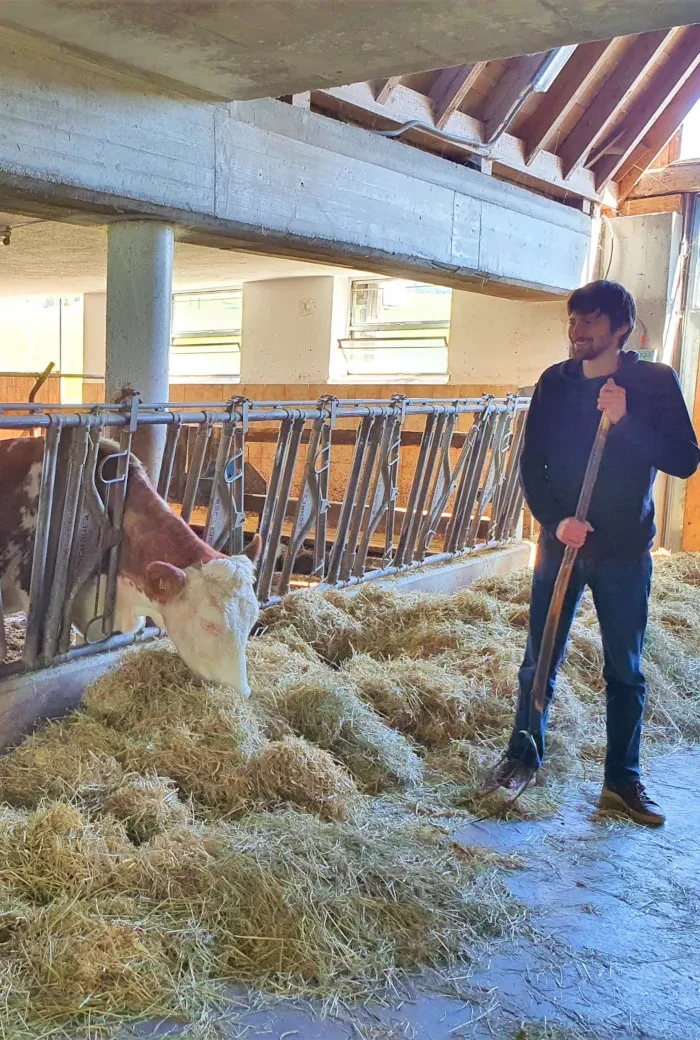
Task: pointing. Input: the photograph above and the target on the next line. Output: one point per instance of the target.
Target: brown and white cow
(204, 600)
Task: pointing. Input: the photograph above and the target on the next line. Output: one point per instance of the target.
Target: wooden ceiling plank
(500, 104)
(384, 88)
(672, 180)
(450, 89)
(658, 135)
(623, 79)
(663, 88)
(560, 99)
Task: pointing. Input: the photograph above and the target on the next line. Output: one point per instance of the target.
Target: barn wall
(504, 342)
(287, 329)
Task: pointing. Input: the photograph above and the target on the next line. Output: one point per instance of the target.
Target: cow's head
(208, 612)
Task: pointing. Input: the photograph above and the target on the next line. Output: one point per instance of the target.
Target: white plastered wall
(504, 342)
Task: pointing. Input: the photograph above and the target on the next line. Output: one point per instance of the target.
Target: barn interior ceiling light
(551, 68)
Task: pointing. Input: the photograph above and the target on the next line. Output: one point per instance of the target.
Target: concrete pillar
(139, 291)
(643, 255)
(504, 344)
(288, 324)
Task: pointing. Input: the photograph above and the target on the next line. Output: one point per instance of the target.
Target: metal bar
(379, 498)
(172, 438)
(501, 473)
(71, 480)
(392, 480)
(37, 588)
(92, 538)
(273, 490)
(485, 489)
(307, 508)
(346, 512)
(392, 569)
(445, 481)
(323, 468)
(165, 414)
(427, 483)
(225, 521)
(360, 504)
(194, 471)
(116, 502)
(267, 566)
(468, 481)
(503, 523)
(517, 508)
(409, 528)
(465, 519)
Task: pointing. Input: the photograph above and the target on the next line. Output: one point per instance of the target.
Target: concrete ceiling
(54, 259)
(243, 49)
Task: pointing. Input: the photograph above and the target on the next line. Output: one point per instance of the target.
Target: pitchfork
(549, 636)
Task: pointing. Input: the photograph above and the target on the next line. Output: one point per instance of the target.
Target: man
(651, 430)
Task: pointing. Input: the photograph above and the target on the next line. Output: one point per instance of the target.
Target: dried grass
(171, 835)
(91, 924)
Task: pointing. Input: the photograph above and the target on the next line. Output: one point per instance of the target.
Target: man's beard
(587, 351)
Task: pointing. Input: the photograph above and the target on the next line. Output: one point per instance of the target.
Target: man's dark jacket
(656, 434)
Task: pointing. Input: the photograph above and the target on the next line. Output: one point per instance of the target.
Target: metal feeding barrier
(354, 490)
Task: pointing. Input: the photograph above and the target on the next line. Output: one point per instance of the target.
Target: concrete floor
(614, 951)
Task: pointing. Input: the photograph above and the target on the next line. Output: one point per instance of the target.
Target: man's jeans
(621, 597)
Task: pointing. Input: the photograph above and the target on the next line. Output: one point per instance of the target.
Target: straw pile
(443, 670)
(186, 836)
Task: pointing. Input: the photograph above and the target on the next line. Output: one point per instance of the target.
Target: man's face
(590, 335)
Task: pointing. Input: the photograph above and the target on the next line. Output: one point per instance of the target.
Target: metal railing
(417, 483)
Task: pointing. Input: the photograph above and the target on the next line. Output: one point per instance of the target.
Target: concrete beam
(269, 177)
(225, 49)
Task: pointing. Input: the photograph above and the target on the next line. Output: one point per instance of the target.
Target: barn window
(690, 136)
(206, 336)
(398, 330)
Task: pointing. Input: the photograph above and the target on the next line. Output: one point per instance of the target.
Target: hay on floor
(189, 836)
(91, 924)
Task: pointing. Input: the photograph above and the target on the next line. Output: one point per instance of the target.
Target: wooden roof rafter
(622, 81)
(501, 104)
(633, 170)
(384, 88)
(450, 89)
(563, 96)
(663, 87)
(587, 132)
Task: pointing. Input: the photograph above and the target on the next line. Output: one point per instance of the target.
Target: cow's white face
(208, 612)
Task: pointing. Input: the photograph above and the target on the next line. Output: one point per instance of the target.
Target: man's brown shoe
(632, 800)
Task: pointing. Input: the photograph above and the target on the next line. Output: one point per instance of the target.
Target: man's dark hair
(609, 298)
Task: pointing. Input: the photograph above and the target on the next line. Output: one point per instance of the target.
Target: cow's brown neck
(152, 532)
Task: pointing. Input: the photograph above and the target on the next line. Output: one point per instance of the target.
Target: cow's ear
(164, 581)
(253, 549)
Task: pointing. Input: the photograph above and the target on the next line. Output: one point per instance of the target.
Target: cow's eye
(212, 628)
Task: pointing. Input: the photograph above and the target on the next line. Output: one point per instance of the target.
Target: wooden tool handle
(549, 636)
